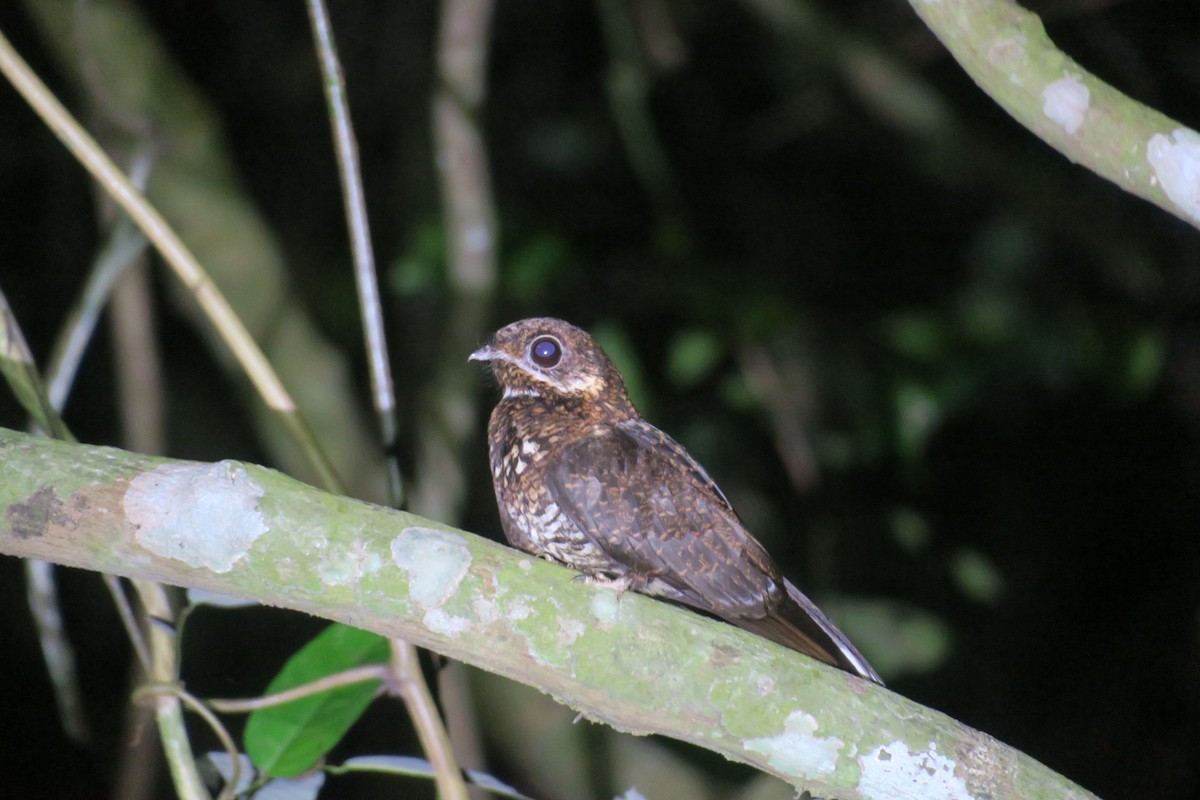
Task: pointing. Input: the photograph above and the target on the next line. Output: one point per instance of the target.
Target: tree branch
(1005, 49)
(634, 663)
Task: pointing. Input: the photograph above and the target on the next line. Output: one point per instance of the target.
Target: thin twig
(27, 384)
(21, 372)
(447, 408)
(125, 245)
(418, 699)
(164, 671)
(177, 692)
(19, 369)
(118, 279)
(366, 278)
(140, 400)
(205, 292)
(42, 597)
(141, 650)
(349, 677)
(405, 666)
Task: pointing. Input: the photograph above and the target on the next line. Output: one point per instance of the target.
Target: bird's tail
(800, 625)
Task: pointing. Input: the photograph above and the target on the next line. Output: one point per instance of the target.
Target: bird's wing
(647, 503)
(653, 509)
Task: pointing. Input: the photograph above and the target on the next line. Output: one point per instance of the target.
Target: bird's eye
(545, 351)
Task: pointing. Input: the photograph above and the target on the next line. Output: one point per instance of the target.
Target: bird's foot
(619, 585)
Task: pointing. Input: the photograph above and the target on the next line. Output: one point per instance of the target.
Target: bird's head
(546, 357)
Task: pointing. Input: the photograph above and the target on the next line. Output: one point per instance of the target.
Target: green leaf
(288, 739)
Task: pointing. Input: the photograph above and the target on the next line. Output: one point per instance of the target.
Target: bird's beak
(485, 353)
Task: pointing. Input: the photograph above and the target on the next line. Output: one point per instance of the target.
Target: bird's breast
(521, 455)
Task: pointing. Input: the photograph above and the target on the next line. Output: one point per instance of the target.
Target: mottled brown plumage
(583, 481)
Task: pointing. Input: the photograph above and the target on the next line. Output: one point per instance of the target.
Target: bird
(583, 481)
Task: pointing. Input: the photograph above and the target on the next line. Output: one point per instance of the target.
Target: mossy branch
(1005, 49)
(636, 664)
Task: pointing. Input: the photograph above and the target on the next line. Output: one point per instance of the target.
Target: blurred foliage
(693, 357)
(991, 357)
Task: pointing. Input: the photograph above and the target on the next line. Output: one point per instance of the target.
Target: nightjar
(582, 480)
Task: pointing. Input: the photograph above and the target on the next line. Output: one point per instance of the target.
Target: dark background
(991, 356)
